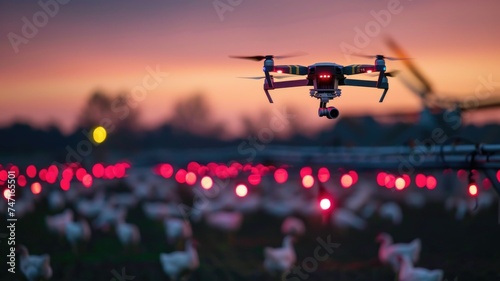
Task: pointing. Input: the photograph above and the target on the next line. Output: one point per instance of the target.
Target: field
(466, 250)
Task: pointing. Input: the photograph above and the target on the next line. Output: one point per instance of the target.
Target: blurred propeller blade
(381, 57)
(391, 43)
(259, 58)
(393, 73)
(255, 58)
(263, 77)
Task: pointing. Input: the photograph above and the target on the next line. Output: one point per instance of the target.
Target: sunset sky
(108, 45)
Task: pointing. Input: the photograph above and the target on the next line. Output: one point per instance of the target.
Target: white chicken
(176, 228)
(109, 216)
(280, 260)
(391, 211)
(127, 233)
(34, 267)
(57, 223)
(175, 263)
(388, 252)
(345, 219)
(410, 273)
(77, 232)
(293, 226)
(56, 200)
(91, 208)
(459, 204)
(225, 220)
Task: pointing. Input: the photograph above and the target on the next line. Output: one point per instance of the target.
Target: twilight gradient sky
(89, 45)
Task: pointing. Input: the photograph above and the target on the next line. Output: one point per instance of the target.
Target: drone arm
(359, 83)
(367, 83)
(291, 69)
(359, 68)
(286, 84)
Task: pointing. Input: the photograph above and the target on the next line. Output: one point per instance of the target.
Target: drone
(325, 77)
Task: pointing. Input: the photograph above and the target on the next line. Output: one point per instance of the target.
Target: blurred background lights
(241, 190)
(308, 181)
(99, 134)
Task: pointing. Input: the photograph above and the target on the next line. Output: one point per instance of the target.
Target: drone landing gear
(329, 112)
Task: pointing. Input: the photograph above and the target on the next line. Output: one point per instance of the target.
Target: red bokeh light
(42, 174)
(486, 183)
(462, 174)
(407, 179)
(431, 182)
(98, 170)
(346, 180)
(51, 177)
(53, 170)
(3, 175)
(31, 171)
(190, 178)
(381, 178)
(280, 175)
(325, 203)
(421, 180)
(498, 175)
(241, 190)
(180, 176)
(119, 170)
(80, 173)
(354, 176)
(207, 182)
(254, 179)
(307, 181)
(36, 188)
(14, 169)
(304, 171)
(109, 172)
(64, 184)
(193, 167)
(21, 180)
(400, 183)
(323, 174)
(87, 180)
(6, 193)
(67, 173)
(473, 189)
(390, 181)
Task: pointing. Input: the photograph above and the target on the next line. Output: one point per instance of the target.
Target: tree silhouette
(193, 115)
(115, 114)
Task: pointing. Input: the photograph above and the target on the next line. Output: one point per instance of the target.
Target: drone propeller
(427, 88)
(259, 58)
(263, 77)
(393, 73)
(380, 57)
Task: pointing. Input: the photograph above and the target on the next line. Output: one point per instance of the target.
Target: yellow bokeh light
(99, 134)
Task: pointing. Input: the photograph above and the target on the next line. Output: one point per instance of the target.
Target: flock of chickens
(84, 210)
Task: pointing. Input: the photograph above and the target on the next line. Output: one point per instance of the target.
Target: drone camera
(330, 112)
